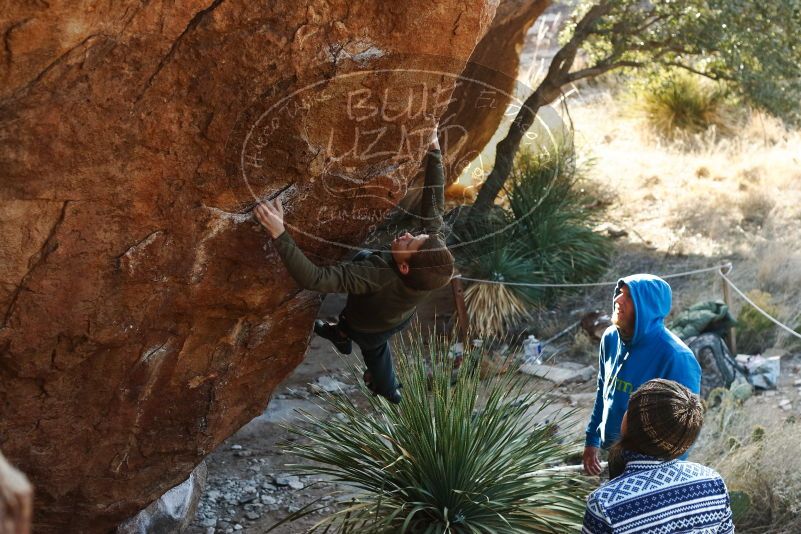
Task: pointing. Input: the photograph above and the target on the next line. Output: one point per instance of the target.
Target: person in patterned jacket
(651, 490)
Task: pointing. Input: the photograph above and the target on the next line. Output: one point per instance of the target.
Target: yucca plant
(494, 308)
(450, 459)
(552, 222)
(678, 104)
(541, 233)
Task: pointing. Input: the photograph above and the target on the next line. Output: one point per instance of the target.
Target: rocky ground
(249, 485)
(249, 488)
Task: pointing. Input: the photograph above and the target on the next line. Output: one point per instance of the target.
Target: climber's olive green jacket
(378, 299)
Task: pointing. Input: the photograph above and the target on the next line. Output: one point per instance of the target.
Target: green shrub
(552, 221)
(677, 104)
(447, 459)
(755, 332)
(541, 233)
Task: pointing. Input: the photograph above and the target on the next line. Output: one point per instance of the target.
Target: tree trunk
(548, 91)
(506, 149)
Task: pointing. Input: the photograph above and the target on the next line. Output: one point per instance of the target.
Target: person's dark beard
(624, 335)
(617, 462)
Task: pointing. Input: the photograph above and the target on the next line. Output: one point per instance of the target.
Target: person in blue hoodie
(635, 349)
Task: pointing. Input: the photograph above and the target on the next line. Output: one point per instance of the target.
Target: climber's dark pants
(375, 347)
(377, 354)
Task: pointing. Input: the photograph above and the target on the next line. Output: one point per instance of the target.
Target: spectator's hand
(433, 141)
(16, 500)
(271, 216)
(592, 464)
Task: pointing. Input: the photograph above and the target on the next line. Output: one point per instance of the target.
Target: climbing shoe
(330, 332)
(394, 396)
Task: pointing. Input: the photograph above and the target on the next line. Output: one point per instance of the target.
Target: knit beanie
(663, 419)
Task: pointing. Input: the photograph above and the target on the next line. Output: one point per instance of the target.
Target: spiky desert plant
(551, 219)
(448, 459)
(678, 103)
(494, 307)
(541, 234)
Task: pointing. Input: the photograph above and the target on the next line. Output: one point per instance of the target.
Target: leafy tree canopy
(755, 46)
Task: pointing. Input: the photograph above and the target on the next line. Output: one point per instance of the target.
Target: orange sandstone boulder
(488, 83)
(144, 316)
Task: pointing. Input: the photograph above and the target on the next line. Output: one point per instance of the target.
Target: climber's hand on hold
(16, 500)
(271, 216)
(433, 141)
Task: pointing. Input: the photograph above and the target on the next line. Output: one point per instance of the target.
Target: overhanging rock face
(144, 316)
(486, 86)
(489, 82)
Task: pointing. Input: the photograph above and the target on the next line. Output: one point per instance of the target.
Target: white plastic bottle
(532, 350)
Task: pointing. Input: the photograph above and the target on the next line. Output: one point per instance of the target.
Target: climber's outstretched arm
(358, 278)
(16, 500)
(433, 201)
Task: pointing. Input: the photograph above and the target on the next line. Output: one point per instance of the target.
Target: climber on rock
(384, 287)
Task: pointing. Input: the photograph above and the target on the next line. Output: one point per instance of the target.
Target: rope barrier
(722, 270)
(757, 308)
(718, 268)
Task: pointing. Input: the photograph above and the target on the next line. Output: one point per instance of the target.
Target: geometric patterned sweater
(660, 497)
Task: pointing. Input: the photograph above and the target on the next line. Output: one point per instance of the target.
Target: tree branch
(548, 91)
(718, 77)
(602, 68)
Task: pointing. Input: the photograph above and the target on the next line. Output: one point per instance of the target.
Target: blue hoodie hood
(652, 299)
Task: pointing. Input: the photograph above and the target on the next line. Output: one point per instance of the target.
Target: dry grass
(494, 309)
(756, 206)
(737, 198)
(755, 448)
